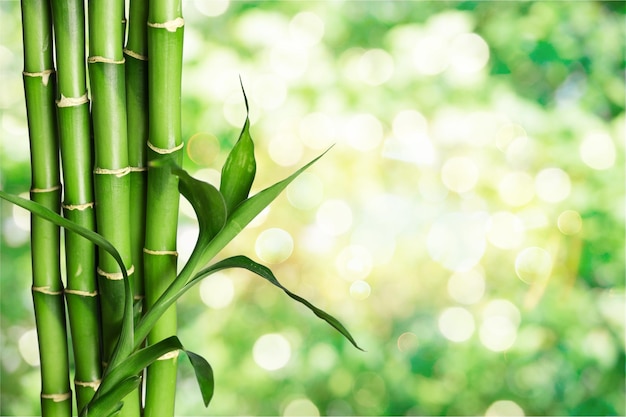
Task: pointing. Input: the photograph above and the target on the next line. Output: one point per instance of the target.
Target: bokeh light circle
(533, 264)
(202, 148)
(375, 67)
(317, 130)
(212, 8)
(306, 191)
(552, 185)
(271, 351)
(363, 132)
(354, 263)
(307, 28)
(457, 240)
(456, 324)
(407, 342)
(334, 217)
(467, 287)
(459, 174)
(516, 188)
(597, 151)
(506, 230)
(301, 407)
(360, 290)
(274, 245)
(569, 222)
(468, 53)
(217, 291)
(29, 347)
(504, 408)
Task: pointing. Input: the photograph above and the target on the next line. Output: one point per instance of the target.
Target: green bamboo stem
(39, 87)
(74, 133)
(165, 44)
(136, 53)
(111, 179)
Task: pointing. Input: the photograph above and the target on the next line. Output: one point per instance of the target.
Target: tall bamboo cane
(56, 396)
(165, 45)
(74, 131)
(136, 52)
(111, 179)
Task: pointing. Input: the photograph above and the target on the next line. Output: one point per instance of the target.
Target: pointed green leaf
(264, 272)
(136, 362)
(203, 197)
(110, 403)
(240, 167)
(206, 201)
(247, 211)
(204, 376)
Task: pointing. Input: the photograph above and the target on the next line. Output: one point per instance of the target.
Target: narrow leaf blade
(110, 403)
(204, 376)
(264, 272)
(247, 211)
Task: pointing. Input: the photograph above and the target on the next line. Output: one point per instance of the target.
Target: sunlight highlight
(217, 291)
(274, 245)
(456, 324)
(271, 351)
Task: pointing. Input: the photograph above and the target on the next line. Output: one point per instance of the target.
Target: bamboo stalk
(74, 132)
(111, 179)
(165, 44)
(39, 87)
(136, 52)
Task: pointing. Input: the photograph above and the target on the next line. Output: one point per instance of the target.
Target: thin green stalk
(165, 45)
(111, 179)
(39, 87)
(74, 132)
(136, 53)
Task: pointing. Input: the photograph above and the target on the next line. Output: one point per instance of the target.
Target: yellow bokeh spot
(569, 222)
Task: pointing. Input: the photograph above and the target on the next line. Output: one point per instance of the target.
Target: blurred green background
(467, 227)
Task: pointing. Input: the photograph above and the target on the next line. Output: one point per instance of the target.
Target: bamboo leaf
(45, 213)
(110, 403)
(240, 167)
(246, 212)
(136, 362)
(204, 376)
(206, 201)
(264, 272)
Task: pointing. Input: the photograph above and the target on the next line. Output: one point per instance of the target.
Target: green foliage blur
(467, 227)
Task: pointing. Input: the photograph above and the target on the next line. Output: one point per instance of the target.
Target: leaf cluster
(222, 214)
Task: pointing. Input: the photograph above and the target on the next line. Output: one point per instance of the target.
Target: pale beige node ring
(45, 75)
(46, 190)
(46, 290)
(57, 398)
(163, 151)
(116, 276)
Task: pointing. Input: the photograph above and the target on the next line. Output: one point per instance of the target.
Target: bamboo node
(46, 290)
(169, 355)
(120, 172)
(81, 293)
(135, 55)
(78, 206)
(96, 58)
(90, 384)
(116, 276)
(138, 169)
(165, 151)
(57, 398)
(170, 25)
(46, 190)
(45, 75)
(72, 101)
(160, 252)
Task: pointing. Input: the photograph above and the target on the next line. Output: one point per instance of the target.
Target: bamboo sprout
(165, 42)
(111, 179)
(74, 131)
(47, 289)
